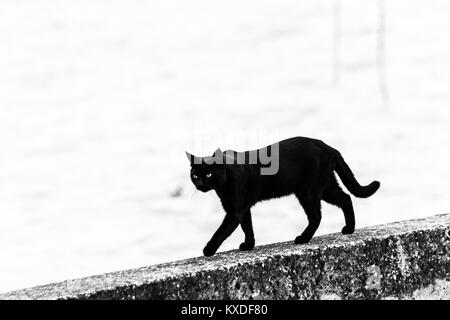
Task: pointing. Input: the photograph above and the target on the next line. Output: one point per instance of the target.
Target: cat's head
(208, 173)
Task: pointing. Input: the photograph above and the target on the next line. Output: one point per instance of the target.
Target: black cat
(305, 169)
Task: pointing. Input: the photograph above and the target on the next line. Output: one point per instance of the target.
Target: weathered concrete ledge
(407, 259)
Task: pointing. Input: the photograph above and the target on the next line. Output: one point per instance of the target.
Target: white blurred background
(100, 99)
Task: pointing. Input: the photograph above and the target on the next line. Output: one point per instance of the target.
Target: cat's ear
(190, 157)
(218, 156)
(193, 159)
(218, 153)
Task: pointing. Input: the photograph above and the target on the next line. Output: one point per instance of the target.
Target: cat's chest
(232, 201)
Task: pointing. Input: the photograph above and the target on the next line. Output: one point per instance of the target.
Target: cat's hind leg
(334, 195)
(246, 224)
(311, 205)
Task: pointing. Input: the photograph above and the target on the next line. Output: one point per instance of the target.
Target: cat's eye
(194, 176)
(209, 175)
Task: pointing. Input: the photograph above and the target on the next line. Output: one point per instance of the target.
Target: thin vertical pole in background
(336, 41)
(381, 52)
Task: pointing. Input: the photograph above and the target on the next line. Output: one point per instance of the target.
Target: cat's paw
(246, 246)
(301, 239)
(209, 250)
(348, 230)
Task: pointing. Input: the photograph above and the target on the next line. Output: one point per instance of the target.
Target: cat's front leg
(247, 227)
(229, 224)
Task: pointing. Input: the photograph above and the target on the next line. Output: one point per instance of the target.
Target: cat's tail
(347, 177)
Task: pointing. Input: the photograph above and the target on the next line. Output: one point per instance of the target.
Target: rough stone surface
(407, 259)
(440, 290)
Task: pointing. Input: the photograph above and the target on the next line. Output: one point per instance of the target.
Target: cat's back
(290, 149)
(296, 142)
(302, 146)
(286, 144)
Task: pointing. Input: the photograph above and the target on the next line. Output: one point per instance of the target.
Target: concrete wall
(407, 259)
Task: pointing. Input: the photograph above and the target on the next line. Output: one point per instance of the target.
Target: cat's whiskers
(194, 191)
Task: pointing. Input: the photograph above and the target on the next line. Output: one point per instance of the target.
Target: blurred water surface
(100, 99)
